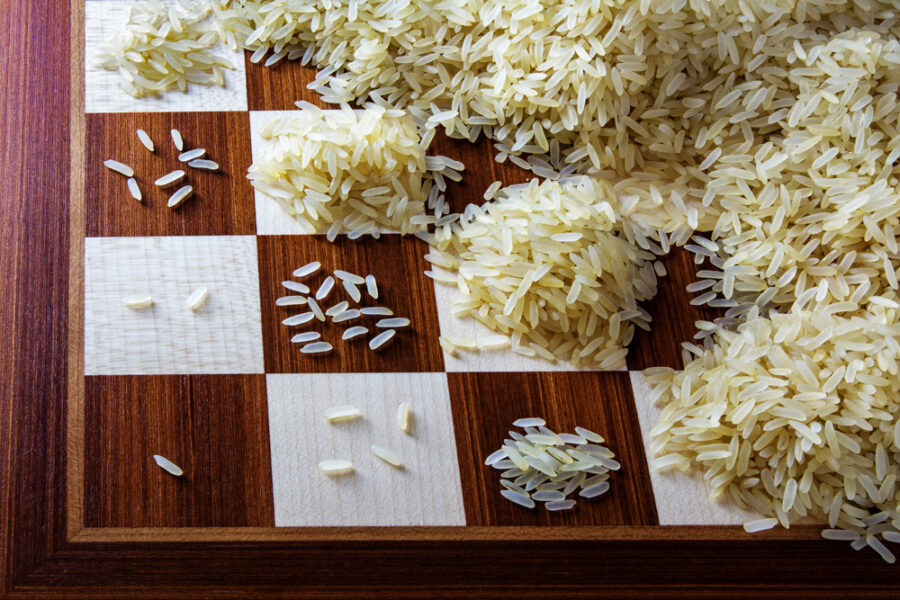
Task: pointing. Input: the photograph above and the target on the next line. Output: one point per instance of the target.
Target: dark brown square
(481, 169)
(673, 316)
(215, 427)
(278, 87)
(485, 405)
(398, 266)
(222, 203)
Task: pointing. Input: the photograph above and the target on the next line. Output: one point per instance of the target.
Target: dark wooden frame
(46, 553)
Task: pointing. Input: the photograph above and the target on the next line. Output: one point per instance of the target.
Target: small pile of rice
(551, 265)
(346, 171)
(164, 46)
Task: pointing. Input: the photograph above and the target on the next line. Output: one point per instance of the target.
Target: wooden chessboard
(223, 393)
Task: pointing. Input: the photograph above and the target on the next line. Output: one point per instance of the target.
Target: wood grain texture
(222, 202)
(222, 336)
(486, 404)
(397, 264)
(215, 428)
(426, 491)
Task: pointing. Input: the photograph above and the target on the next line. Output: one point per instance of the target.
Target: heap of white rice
(346, 171)
(551, 266)
(164, 46)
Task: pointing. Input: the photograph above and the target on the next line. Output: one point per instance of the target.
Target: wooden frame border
(45, 554)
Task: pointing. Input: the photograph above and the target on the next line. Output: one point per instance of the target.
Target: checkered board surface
(224, 394)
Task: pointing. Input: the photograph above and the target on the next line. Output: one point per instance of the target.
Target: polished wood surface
(42, 556)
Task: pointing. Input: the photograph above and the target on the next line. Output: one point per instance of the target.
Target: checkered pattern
(241, 246)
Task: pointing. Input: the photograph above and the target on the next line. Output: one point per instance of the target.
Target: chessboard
(224, 394)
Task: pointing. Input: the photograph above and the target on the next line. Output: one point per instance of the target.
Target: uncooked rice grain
(197, 298)
(354, 332)
(381, 339)
(347, 412)
(208, 165)
(134, 189)
(191, 154)
(177, 140)
(138, 302)
(168, 466)
(307, 269)
(306, 336)
(388, 456)
(169, 178)
(316, 348)
(295, 286)
(145, 139)
(180, 196)
(118, 167)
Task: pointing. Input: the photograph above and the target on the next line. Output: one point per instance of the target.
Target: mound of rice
(164, 46)
(552, 266)
(346, 171)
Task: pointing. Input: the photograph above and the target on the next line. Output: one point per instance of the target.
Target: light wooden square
(223, 336)
(104, 19)
(427, 491)
(681, 499)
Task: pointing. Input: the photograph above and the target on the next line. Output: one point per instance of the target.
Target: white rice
(354, 332)
(336, 467)
(177, 140)
(317, 348)
(306, 336)
(325, 288)
(134, 190)
(351, 277)
(197, 298)
(295, 286)
(376, 311)
(291, 301)
(145, 139)
(180, 196)
(316, 310)
(550, 466)
(393, 322)
(191, 155)
(381, 339)
(338, 308)
(208, 165)
(342, 413)
(165, 46)
(300, 319)
(307, 269)
(404, 417)
(169, 178)
(138, 302)
(352, 291)
(372, 287)
(118, 167)
(388, 456)
(168, 466)
(347, 315)
(346, 171)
